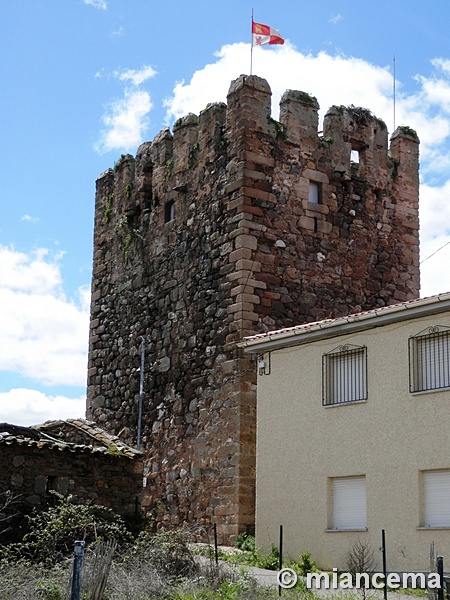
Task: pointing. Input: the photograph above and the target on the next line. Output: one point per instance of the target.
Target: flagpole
(251, 48)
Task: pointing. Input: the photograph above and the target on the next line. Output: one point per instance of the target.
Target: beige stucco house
(353, 434)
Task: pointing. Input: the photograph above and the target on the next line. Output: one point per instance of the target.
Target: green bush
(244, 588)
(52, 533)
(48, 589)
(269, 561)
(245, 541)
(252, 556)
(305, 565)
(167, 551)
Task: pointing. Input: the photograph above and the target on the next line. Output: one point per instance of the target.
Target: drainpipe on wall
(141, 394)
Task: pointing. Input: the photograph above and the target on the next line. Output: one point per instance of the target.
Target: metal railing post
(383, 551)
(216, 545)
(78, 559)
(280, 563)
(440, 570)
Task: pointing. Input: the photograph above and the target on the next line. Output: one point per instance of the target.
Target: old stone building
(235, 224)
(70, 457)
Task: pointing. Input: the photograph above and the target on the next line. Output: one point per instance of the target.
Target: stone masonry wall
(206, 236)
(31, 470)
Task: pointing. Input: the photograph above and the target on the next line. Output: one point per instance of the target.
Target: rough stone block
(246, 241)
(240, 253)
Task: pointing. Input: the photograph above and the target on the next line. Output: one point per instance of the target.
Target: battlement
(167, 164)
(236, 223)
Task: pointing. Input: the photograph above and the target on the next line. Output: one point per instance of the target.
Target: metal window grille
(345, 375)
(429, 359)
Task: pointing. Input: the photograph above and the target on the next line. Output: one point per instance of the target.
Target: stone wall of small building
(31, 469)
(208, 235)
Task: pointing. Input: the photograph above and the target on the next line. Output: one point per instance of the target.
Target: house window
(169, 211)
(348, 503)
(435, 499)
(344, 375)
(429, 360)
(315, 193)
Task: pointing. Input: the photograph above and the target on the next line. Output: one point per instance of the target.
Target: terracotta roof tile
(40, 436)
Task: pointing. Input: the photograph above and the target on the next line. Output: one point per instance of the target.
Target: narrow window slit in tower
(354, 157)
(169, 211)
(315, 193)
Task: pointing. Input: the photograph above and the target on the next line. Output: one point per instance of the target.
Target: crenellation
(299, 114)
(404, 150)
(185, 148)
(211, 140)
(248, 112)
(211, 234)
(162, 148)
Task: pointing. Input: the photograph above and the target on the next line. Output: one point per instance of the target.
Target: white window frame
(348, 503)
(429, 360)
(435, 511)
(344, 375)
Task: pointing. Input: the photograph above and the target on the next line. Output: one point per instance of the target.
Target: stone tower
(236, 224)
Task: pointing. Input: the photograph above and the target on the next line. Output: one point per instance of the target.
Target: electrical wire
(435, 252)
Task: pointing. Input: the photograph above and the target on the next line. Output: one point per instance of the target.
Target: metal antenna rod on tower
(394, 92)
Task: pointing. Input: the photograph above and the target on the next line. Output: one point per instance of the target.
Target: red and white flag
(263, 34)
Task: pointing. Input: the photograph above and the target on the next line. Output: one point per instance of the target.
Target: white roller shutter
(436, 498)
(349, 502)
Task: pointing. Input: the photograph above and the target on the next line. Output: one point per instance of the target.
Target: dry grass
(135, 580)
(158, 566)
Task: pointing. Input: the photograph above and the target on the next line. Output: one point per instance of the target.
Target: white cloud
(435, 238)
(135, 76)
(335, 19)
(29, 273)
(126, 119)
(118, 32)
(44, 336)
(30, 219)
(213, 78)
(125, 122)
(97, 4)
(22, 406)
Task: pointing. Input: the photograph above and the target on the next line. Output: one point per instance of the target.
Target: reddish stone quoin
(207, 236)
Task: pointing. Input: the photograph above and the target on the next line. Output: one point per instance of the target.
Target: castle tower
(233, 225)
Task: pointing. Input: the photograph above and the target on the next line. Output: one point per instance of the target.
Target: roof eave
(348, 325)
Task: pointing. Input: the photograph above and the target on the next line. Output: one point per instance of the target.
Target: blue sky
(84, 81)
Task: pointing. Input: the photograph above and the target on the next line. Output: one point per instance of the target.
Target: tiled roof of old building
(49, 435)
